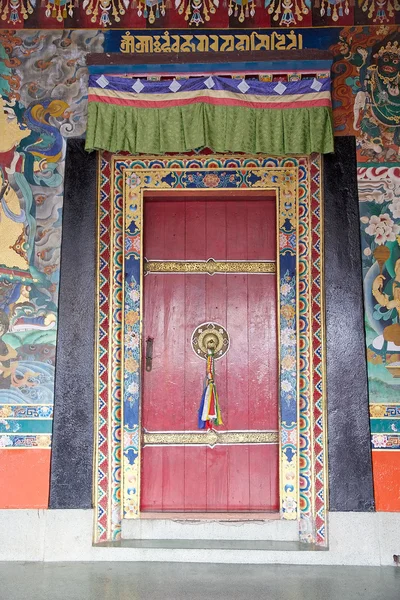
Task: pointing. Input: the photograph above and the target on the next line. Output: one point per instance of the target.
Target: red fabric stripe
(209, 100)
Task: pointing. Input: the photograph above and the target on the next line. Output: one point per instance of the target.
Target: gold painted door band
(210, 266)
(210, 438)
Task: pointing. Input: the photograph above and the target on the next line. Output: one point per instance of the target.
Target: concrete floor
(178, 581)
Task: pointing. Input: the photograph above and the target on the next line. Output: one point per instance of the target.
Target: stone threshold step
(184, 544)
(270, 530)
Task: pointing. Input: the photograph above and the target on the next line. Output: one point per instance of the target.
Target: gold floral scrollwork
(210, 438)
(209, 266)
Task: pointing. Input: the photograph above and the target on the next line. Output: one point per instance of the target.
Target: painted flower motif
(43, 441)
(131, 365)
(289, 505)
(377, 410)
(5, 441)
(45, 411)
(133, 388)
(133, 180)
(5, 411)
(131, 511)
(131, 317)
(379, 441)
(367, 251)
(288, 363)
(286, 385)
(211, 180)
(288, 336)
(132, 341)
(132, 243)
(285, 289)
(394, 207)
(364, 220)
(134, 295)
(130, 439)
(288, 311)
(116, 514)
(382, 228)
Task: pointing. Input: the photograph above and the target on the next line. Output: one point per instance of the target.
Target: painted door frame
(303, 449)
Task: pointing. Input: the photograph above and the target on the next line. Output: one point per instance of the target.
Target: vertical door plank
(153, 326)
(217, 479)
(195, 491)
(152, 416)
(154, 215)
(151, 484)
(153, 316)
(216, 312)
(173, 389)
(263, 478)
(263, 360)
(173, 478)
(216, 229)
(237, 357)
(262, 229)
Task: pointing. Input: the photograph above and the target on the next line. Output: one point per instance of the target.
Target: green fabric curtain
(221, 128)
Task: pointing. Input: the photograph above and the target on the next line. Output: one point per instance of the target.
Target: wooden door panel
(198, 478)
(263, 481)
(151, 484)
(195, 298)
(263, 352)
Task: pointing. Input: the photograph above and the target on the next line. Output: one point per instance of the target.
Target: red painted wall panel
(24, 478)
(386, 470)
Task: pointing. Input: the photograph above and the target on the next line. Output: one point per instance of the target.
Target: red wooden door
(225, 478)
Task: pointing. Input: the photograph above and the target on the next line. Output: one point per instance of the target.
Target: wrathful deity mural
(43, 79)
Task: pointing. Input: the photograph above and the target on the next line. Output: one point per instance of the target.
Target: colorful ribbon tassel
(209, 412)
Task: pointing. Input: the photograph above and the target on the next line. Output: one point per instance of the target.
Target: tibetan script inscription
(149, 44)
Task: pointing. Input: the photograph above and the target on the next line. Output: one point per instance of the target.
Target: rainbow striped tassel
(209, 411)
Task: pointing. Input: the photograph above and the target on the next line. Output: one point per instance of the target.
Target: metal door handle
(149, 353)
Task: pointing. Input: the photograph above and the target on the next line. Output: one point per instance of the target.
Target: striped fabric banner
(225, 114)
(250, 93)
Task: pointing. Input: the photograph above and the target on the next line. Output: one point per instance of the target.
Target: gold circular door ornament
(210, 336)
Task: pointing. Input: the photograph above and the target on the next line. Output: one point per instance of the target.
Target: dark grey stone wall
(72, 454)
(350, 471)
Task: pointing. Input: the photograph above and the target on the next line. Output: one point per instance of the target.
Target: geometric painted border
(303, 446)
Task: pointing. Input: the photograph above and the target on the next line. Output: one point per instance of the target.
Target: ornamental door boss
(296, 184)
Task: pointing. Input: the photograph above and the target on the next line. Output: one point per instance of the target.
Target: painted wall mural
(43, 102)
(368, 65)
(161, 14)
(42, 83)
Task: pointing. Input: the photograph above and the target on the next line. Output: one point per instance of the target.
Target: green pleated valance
(225, 115)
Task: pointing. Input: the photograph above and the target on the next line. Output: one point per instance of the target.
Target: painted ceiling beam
(304, 61)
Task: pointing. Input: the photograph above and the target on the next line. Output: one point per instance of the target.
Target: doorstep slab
(200, 529)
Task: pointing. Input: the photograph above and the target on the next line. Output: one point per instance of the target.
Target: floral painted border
(297, 174)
